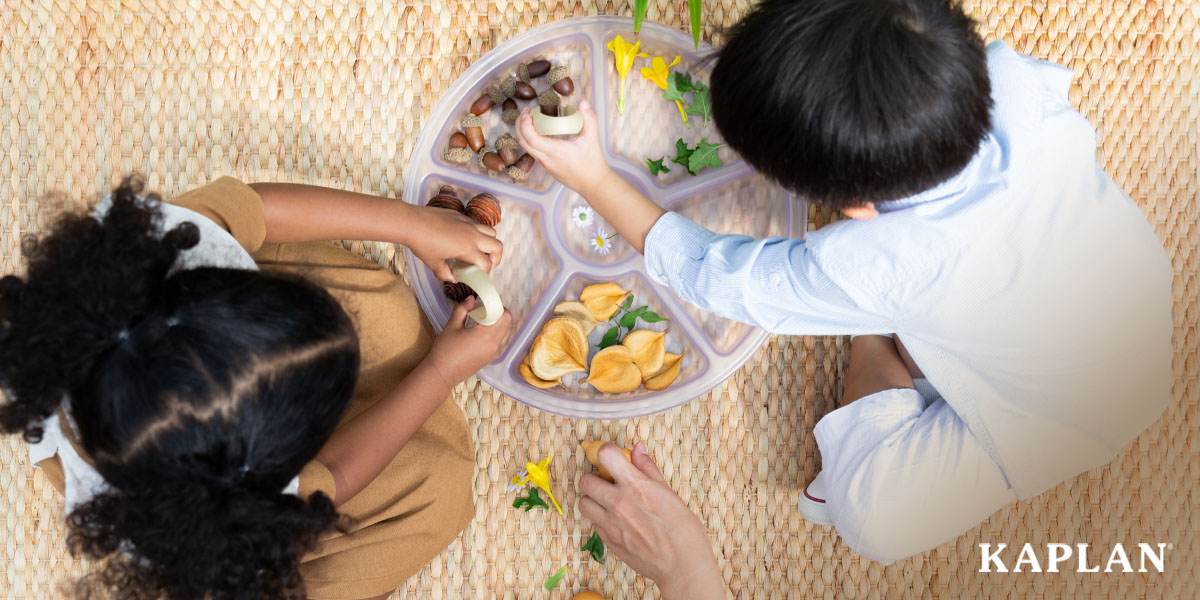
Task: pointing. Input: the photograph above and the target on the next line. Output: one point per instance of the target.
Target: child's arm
(359, 450)
(580, 165)
(301, 213)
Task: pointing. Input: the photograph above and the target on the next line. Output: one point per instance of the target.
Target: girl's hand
(440, 235)
(649, 527)
(578, 163)
(461, 351)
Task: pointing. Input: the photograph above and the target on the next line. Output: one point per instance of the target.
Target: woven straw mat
(291, 90)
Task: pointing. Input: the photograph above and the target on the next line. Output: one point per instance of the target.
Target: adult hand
(460, 351)
(441, 234)
(578, 162)
(649, 527)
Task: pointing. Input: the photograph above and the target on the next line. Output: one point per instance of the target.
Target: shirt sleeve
(233, 205)
(772, 283)
(315, 477)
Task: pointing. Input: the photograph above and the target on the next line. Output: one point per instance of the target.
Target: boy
(1029, 300)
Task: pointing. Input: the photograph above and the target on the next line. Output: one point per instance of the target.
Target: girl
(234, 410)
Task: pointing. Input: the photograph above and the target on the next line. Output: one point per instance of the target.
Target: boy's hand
(578, 163)
(649, 527)
(441, 235)
(460, 351)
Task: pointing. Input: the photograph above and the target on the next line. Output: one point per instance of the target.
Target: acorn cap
(523, 72)
(516, 173)
(510, 116)
(494, 92)
(507, 141)
(549, 98)
(459, 156)
(471, 121)
(556, 75)
(508, 87)
(483, 152)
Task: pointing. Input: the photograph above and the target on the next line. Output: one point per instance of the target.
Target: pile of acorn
(483, 209)
(504, 155)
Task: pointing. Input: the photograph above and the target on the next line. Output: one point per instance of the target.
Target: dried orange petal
(613, 371)
(602, 299)
(528, 374)
(648, 348)
(667, 374)
(561, 348)
(591, 449)
(578, 312)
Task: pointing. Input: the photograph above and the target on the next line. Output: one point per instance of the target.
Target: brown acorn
(538, 68)
(458, 140)
(484, 209)
(510, 112)
(523, 73)
(494, 92)
(459, 156)
(472, 126)
(560, 80)
(524, 91)
(482, 105)
(492, 161)
(549, 101)
(508, 147)
(520, 170)
(508, 87)
(457, 292)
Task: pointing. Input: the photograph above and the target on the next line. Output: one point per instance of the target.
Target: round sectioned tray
(548, 259)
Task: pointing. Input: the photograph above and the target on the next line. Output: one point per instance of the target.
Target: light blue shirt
(1029, 288)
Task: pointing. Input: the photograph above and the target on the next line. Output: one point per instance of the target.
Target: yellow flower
(624, 55)
(658, 71)
(538, 474)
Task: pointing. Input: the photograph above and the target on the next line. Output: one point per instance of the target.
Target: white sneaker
(812, 502)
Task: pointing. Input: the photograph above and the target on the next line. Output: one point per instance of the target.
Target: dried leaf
(560, 349)
(591, 449)
(613, 371)
(667, 374)
(578, 312)
(531, 377)
(602, 299)
(648, 349)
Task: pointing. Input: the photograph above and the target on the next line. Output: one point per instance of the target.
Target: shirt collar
(948, 188)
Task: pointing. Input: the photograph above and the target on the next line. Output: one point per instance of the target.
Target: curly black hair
(198, 395)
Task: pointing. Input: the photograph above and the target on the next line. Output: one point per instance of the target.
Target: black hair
(854, 101)
(198, 395)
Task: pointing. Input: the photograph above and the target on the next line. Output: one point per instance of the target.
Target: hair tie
(122, 335)
(171, 321)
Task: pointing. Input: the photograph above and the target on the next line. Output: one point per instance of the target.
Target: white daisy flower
(601, 241)
(583, 216)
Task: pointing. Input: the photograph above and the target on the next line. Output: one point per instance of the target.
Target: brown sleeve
(231, 204)
(53, 470)
(315, 477)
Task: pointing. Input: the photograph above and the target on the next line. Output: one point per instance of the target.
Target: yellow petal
(578, 312)
(667, 374)
(648, 349)
(613, 371)
(529, 376)
(560, 349)
(591, 449)
(602, 299)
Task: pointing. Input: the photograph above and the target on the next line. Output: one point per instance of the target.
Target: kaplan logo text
(1028, 560)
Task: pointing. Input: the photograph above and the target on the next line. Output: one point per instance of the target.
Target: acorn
(508, 149)
(524, 91)
(538, 68)
(549, 102)
(520, 170)
(457, 292)
(560, 80)
(523, 73)
(490, 159)
(508, 87)
(510, 112)
(482, 105)
(472, 126)
(495, 93)
(457, 152)
(484, 209)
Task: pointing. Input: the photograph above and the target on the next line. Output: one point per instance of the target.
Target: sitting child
(1029, 299)
(235, 411)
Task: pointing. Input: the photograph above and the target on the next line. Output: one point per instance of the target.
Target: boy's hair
(197, 394)
(854, 101)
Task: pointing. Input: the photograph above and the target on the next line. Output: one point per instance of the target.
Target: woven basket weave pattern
(292, 90)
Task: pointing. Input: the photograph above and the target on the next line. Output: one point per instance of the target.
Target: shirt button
(775, 278)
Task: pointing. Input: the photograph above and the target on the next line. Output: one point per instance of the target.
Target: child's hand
(578, 163)
(440, 235)
(459, 352)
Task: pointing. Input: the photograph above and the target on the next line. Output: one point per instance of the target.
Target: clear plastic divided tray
(548, 260)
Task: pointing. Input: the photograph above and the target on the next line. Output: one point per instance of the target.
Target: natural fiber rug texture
(335, 93)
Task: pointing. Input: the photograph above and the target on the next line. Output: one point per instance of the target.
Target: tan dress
(422, 500)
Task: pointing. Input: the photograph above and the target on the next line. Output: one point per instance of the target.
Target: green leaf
(595, 545)
(628, 302)
(652, 317)
(704, 156)
(683, 81)
(630, 318)
(639, 15)
(554, 579)
(694, 15)
(610, 337)
(683, 154)
(533, 501)
(701, 105)
(657, 167)
(672, 92)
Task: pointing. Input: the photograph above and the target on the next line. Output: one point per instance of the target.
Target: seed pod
(458, 140)
(560, 80)
(510, 112)
(524, 91)
(484, 209)
(508, 148)
(482, 105)
(457, 292)
(472, 126)
(493, 91)
(549, 102)
(508, 87)
(525, 163)
(492, 161)
(448, 202)
(538, 68)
